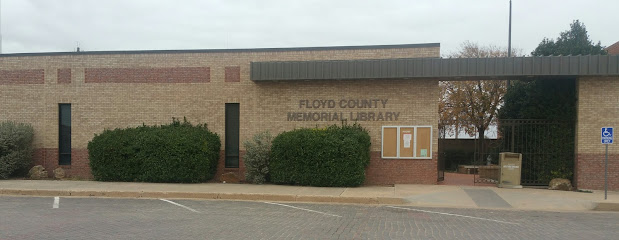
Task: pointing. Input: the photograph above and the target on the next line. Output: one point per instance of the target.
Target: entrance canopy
(452, 68)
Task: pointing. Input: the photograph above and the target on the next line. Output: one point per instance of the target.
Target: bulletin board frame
(399, 144)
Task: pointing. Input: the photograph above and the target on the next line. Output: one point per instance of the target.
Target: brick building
(389, 89)
(613, 49)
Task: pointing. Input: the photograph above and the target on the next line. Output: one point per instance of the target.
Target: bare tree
(450, 115)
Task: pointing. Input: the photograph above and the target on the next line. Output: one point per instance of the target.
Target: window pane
(232, 135)
(64, 134)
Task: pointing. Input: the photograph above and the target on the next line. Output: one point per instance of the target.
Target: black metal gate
(485, 161)
(547, 149)
(440, 165)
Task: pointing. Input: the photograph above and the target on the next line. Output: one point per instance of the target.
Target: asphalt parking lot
(109, 218)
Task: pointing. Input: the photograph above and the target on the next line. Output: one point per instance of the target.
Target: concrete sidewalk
(400, 194)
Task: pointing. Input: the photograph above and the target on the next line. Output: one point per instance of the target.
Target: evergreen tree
(552, 99)
(572, 42)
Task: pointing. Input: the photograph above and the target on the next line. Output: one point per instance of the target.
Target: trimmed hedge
(177, 152)
(15, 148)
(335, 156)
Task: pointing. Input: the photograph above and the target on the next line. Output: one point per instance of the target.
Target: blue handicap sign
(607, 135)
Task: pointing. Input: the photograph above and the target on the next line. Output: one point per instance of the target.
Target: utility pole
(0, 27)
(509, 39)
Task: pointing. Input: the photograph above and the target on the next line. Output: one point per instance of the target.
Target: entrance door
(232, 135)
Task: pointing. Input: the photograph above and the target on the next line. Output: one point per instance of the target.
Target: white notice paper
(407, 140)
(424, 152)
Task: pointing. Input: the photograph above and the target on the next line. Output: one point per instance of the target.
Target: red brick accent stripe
(27, 76)
(48, 158)
(148, 75)
(233, 74)
(590, 171)
(64, 76)
(399, 171)
(380, 172)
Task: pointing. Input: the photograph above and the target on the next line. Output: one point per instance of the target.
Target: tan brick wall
(264, 106)
(598, 106)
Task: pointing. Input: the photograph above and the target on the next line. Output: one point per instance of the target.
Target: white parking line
(56, 202)
(180, 205)
(302, 209)
(451, 214)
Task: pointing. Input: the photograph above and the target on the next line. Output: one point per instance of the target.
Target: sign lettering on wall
(343, 110)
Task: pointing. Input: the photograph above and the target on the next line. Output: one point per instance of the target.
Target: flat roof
(395, 46)
(444, 68)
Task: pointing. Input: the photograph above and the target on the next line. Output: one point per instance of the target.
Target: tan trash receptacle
(511, 166)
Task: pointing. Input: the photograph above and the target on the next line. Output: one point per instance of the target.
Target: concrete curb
(597, 206)
(195, 195)
(607, 206)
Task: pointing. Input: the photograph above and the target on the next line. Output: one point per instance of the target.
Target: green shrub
(335, 156)
(257, 157)
(177, 152)
(15, 148)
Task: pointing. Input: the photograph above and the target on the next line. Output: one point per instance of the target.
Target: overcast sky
(100, 25)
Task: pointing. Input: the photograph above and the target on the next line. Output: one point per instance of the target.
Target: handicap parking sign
(607, 135)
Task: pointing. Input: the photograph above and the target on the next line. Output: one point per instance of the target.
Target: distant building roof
(330, 48)
(613, 49)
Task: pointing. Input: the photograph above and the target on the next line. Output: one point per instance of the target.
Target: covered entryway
(597, 84)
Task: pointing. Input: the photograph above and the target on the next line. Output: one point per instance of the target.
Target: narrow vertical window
(232, 135)
(64, 134)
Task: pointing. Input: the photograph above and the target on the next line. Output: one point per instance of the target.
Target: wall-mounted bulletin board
(407, 142)
(390, 142)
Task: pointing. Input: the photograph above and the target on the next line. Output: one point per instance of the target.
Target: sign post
(607, 138)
